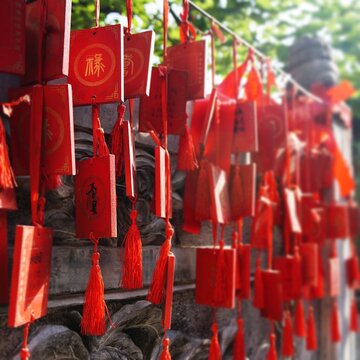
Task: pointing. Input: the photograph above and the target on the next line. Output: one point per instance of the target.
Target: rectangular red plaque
(95, 197)
(190, 57)
(160, 182)
(309, 263)
(30, 274)
(129, 161)
(150, 112)
(242, 190)
(58, 144)
(337, 221)
(244, 271)
(48, 53)
(291, 208)
(4, 280)
(334, 276)
(354, 220)
(12, 39)
(245, 128)
(273, 297)
(96, 67)
(8, 199)
(352, 272)
(169, 292)
(207, 270)
(138, 53)
(219, 194)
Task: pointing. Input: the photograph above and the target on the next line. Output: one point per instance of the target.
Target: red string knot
(133, 216)
(121, 110)
(95, 257)
(166, 342)
(214, 328)
(169, 231)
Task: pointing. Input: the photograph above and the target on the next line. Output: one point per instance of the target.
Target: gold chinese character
(94, 64)
(128, 64)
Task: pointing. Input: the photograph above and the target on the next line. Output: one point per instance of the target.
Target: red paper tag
(191, 58)
(52, 48)
(334, 276)
(220, 204)
(138, 53)
(4, 281)
(273, 297)
(292, 210)
(242, 190)
(8, 199)
(169, 292)
(30, 274)
(150, 112)
(206, 273)
(129, 161)
(160, 182)
(309, 262)
(96, 65)
(95, 197)
(245, 128)
(259, 231)
(337, 221)
(12, 40)
(243, 291)
(58, 144)
(352, 272)
(354, 220)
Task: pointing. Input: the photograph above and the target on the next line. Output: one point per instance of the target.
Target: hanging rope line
(261, 55)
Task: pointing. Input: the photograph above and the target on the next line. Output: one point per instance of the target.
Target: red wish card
(337, 221)
(354, 219)
(4, 281)
(243, 251)
(261, 223)
(129, 161)
(309, 263)
(245, 128)
(291, 208)
(47, 53)
(273, 296)
(334, 276)
(95, 197)
(12, 39)
(169, 292)
(209, 273)
(96, 68)
(138, 53)
(160, 182)
(352, 272)
(8, 199)
(30, 274)
(58, 147)
(191, 58)
(219, 194)
(150, 112)
(242, 190)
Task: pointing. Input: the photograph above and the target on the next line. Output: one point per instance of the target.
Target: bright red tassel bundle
(7, 178)
(215, 350)
(272, 355)
(117, 141)
(165, 354)
(335, 324)
(311, 338)
(93, 320)
(239, 346)
(258, 300)
(157, 287)
(287, 348)
(132, 265)
(299, 323)
(354, 322)
(186, 160)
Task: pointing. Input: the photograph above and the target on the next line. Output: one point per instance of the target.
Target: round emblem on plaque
(133, 64)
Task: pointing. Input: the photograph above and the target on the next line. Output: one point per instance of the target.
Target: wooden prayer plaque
(30, 274)
(244, 271)
(309, 263)
(96, 69)
(273, 296)
(95, 197)
(337, 221)
(129, 161)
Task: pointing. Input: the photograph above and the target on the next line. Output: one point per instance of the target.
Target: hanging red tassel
(272, 355)
(258, 300)
(117, 141)
(132, 265)
(311, 339)
(287, 349)
(215, 350)
(7, 178)
(300, 324)
(335, 324)
(157, 287)
(354, 323)
(186, 160)
(165, 354)
(93, 320)
(239, 346)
